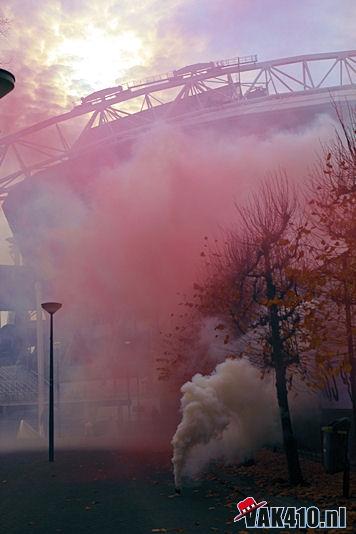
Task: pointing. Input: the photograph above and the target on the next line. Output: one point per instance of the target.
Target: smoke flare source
(230, 414)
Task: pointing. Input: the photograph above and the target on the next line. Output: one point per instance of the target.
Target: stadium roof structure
(196, 94)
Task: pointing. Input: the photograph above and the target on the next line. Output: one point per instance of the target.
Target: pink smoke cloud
(124, 242)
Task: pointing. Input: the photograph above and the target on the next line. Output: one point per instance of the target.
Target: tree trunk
(289, 442)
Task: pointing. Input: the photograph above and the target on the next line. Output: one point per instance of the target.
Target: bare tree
(4, 28)
(274, 247)
(250, 285)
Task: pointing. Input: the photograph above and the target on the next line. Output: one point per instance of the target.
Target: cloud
(51, 44)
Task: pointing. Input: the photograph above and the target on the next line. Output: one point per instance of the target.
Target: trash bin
(335, 439)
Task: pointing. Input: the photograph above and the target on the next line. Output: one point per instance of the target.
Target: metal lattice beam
(234, 84)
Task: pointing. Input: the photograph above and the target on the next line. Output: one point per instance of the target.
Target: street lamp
(51, 308)
(7, 82)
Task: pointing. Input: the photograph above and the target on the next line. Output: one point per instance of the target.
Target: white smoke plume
(228, 414)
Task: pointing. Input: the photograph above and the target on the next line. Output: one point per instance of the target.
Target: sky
(61, 50)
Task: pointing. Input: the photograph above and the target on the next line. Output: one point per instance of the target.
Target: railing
(236, 61)
(169, 75)
(17, 384)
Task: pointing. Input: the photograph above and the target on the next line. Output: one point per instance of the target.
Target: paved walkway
(113, 492)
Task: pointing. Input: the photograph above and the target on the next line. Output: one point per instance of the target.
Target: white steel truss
(175, 96)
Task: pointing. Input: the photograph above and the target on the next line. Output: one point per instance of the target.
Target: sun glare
(100, 59)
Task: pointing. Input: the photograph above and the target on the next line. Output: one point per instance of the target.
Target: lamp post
(51, 308)
(7, 82)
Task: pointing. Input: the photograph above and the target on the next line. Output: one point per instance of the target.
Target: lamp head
(51, 307)
(7, 82)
